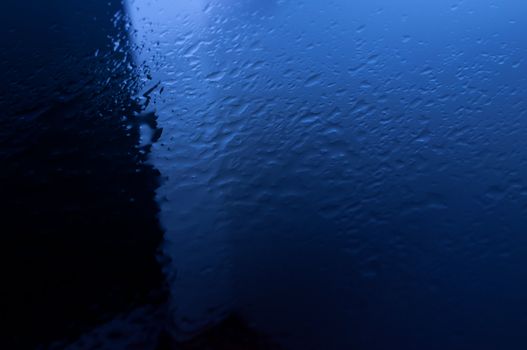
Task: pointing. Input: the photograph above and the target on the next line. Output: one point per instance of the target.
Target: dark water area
(244, 174)
(79, 227)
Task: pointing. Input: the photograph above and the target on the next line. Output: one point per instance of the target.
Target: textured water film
(264, 174)
(342, 174)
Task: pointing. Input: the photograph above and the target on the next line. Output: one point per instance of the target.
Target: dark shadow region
(79, 220)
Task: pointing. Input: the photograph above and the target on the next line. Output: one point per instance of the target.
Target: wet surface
(263, 174)
(79, 227)
(344, 174)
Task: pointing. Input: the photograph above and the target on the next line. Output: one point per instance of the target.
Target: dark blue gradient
(327, 175)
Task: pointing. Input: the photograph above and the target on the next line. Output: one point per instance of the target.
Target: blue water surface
(343, 174)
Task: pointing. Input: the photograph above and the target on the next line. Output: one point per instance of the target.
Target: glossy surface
(343, 174)
(308, 174)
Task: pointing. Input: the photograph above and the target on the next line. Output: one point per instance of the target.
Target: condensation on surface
(342, 174)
